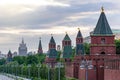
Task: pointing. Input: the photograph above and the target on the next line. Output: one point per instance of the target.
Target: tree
(87, 48)
(2, 61)
(117, 43)
(40, 57)
(31, 59)
(20, 59)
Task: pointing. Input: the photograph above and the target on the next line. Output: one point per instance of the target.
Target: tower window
(103, 40)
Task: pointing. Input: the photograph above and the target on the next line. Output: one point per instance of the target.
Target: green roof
(9, 52)
(102, 27)
(40, 45)
(79, 34)
(52, 40)
(52, 53)
(67, 38)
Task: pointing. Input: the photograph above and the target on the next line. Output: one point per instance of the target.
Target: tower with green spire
(79, 44)
(102, 39)
(67, 48)
(52, 53)
(40, 51)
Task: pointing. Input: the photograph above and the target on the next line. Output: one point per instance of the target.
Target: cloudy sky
(32, 19)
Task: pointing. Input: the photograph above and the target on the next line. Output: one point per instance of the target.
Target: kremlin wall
(101, 64)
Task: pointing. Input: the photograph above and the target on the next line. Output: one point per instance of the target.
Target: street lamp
(59, 65)
(86, 65)
(39, 65)
(48, 65)
(16, 70)
(29, 70)
(21, 70)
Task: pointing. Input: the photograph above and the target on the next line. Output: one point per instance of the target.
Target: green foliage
(117, 43)
(71, 79)
(19, 59)
(58, 56)
(2, 61)
(40, 57)
(31, 59)
(73, 51)
(87, 48)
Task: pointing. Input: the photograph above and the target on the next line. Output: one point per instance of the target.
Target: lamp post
(48, 65)
(59, 66)
(86, 65)
(39, 65)
(16, 70)
(21, 70)
(29, 70)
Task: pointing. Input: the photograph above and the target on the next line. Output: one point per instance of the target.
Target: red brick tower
(102, 39)
(52, 53)
(79, 54)
(102, 45)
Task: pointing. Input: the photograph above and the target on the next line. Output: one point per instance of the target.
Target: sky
(32, 19)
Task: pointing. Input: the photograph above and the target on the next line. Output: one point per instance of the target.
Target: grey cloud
(49, 16)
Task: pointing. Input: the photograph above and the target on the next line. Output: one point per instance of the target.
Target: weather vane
(102, 8)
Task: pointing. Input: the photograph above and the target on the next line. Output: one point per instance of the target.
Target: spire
(66, 38)
(40, 45)
(9, 52)
(79, 33)
(52, 39)
(102, 9)
(22, 40)
(102, 27)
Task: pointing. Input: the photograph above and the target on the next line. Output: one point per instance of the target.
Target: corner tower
(102, 39)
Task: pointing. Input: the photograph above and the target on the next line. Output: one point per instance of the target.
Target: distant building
(9, 56)
(22, 49)
(2, 55)
(14, 54)
(116, 32)
(31, 53)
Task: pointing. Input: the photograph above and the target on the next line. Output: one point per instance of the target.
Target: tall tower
(102, 39)
(79, 44)
(52, 53)
(9, 56)
(40, 51)
(22, 49)
(67, 48)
